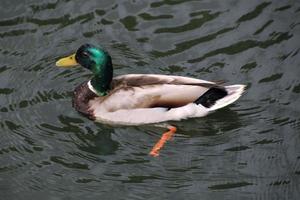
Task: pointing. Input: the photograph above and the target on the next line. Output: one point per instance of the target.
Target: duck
(137, 99)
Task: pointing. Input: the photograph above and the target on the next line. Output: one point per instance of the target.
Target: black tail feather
(209, 98)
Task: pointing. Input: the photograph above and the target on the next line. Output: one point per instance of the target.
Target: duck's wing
(136, 80)
(165, 90)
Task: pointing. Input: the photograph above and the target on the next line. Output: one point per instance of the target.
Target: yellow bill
(69, 61)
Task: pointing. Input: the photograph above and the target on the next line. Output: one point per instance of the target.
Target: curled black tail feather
(209, 98)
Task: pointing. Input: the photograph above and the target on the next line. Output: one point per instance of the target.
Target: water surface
(248, 150)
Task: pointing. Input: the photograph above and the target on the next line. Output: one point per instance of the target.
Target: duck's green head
(95, 59)
(89, 56)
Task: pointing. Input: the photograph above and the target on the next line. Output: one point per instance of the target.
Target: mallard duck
(136, 99)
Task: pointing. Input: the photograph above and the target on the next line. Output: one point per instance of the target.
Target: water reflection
(99, 143)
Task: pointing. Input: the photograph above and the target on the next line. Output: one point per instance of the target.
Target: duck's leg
(164, 138)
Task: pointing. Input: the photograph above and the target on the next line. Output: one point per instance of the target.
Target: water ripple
(261, 29)
(45, 6)
(15, 33)
(255, 13)
(245, 45)
(229, 185)
(273, 77)
(130, 22)
(72, 165)
(194, 23)
(148, 17)
(187, 44)
(168, 2)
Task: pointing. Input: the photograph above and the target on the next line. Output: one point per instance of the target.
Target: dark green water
(249, 150)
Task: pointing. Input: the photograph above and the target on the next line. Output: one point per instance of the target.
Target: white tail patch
(234, 92)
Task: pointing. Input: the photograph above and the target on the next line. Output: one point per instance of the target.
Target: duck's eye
(85, 54)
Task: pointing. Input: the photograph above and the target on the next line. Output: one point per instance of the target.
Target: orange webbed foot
(164, 138)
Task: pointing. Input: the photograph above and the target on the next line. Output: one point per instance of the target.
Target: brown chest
(81, 97)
